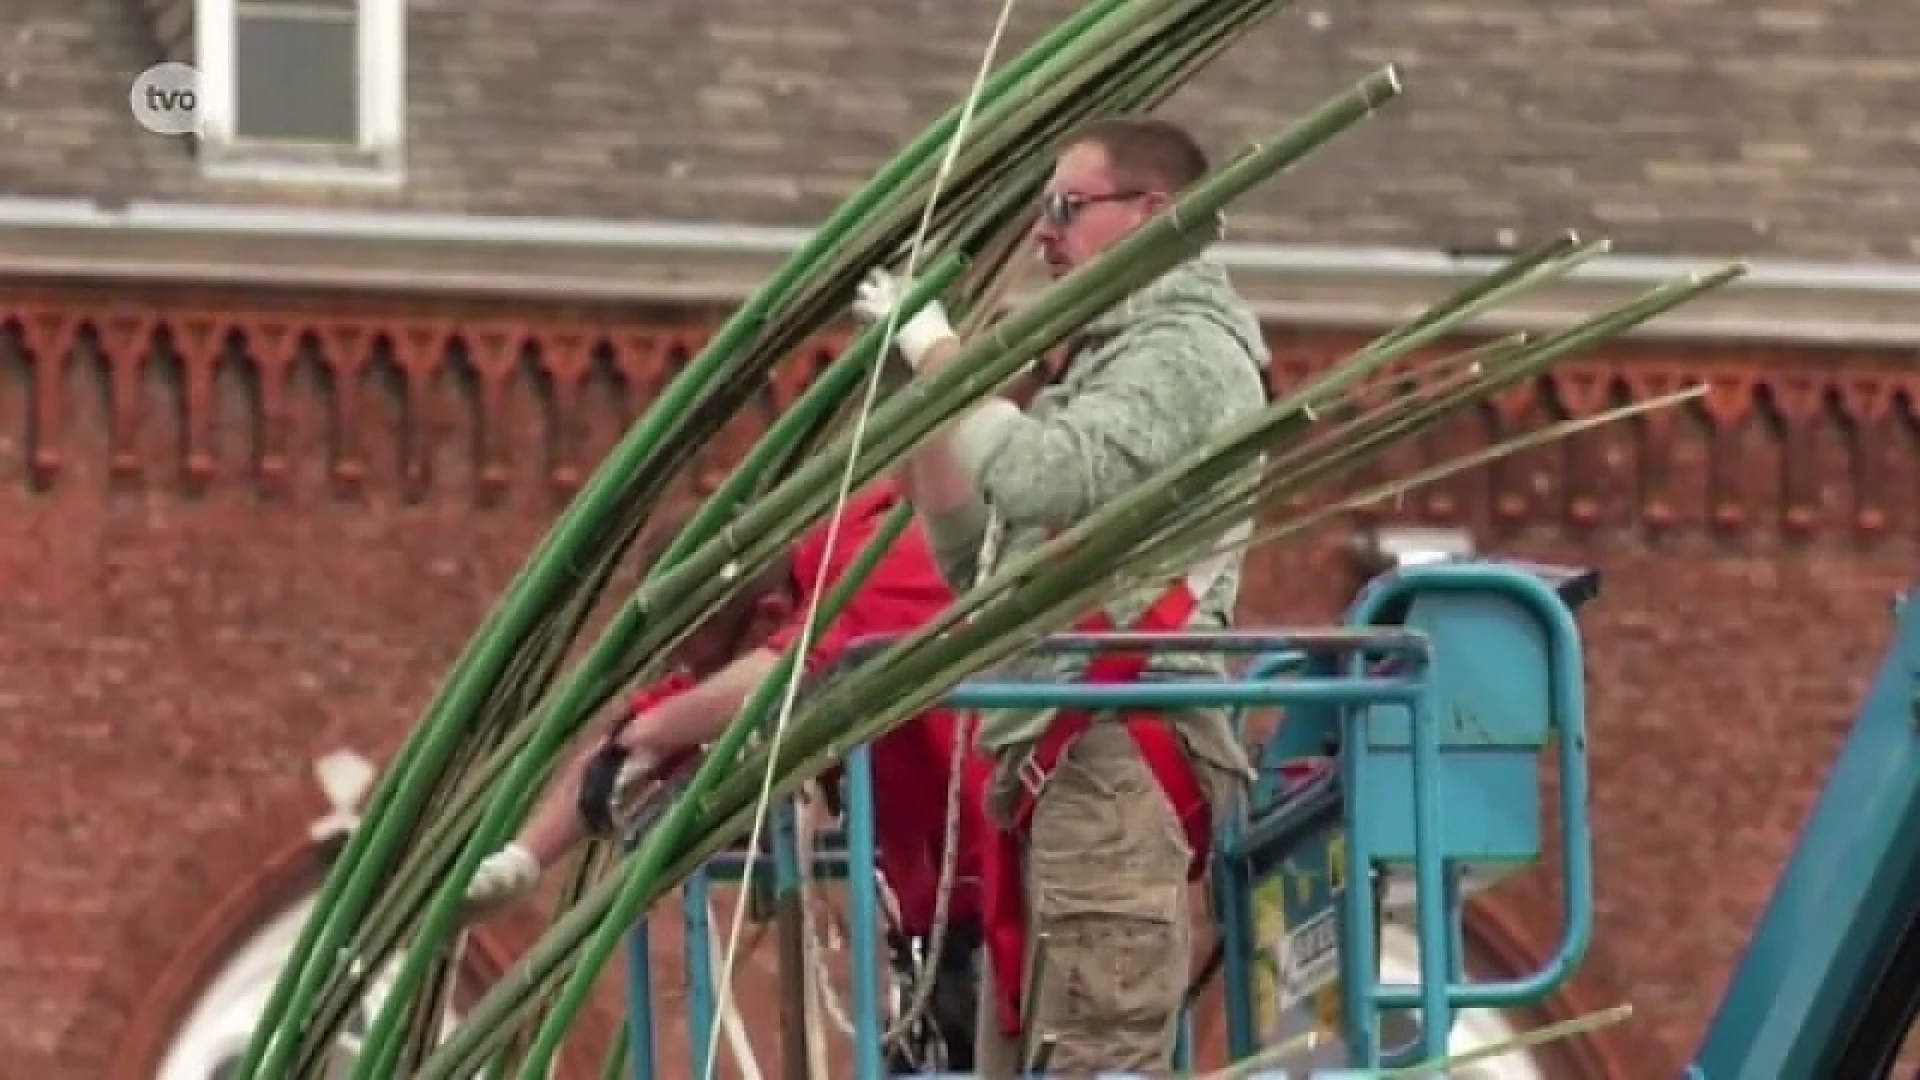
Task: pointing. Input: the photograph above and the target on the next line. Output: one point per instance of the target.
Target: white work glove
(880, 293)
(505, 877)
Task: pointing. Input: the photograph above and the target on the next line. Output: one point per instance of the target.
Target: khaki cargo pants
(1107, 885)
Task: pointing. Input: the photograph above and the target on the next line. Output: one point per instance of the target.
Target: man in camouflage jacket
(1154, 379)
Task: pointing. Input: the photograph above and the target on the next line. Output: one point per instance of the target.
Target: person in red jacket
(912, 766)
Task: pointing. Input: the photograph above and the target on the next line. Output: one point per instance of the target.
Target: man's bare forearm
(681, 723)
(699, 716)
(941, 479)
(935, 481)
(943, 476)
(931, 477)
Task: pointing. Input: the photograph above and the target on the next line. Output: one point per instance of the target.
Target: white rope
(810, 947)
(927, 971)
(841, 499)
(729, 1013)
(824, 998)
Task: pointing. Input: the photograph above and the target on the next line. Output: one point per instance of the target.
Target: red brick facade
(237, 532)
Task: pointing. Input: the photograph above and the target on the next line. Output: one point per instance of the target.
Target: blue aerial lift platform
(1412, 754)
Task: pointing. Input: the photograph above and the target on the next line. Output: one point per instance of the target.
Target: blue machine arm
(1830, 983)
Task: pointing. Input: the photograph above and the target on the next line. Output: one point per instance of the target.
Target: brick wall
(229, 545)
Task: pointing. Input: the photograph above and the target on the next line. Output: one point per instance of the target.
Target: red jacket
(911, 765)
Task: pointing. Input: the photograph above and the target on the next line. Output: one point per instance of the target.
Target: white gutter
(1778, 300)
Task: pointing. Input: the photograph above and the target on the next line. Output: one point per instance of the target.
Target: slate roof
(1706, 127)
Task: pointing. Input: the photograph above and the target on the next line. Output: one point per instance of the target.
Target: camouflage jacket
(1152, 380)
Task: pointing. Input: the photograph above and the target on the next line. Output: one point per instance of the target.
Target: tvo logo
(167, 100)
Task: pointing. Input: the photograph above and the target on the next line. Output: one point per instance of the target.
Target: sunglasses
(1060, 209)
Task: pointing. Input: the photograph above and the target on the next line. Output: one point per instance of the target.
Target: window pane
(296, 76)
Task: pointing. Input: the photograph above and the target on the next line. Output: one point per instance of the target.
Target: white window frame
(222, 1020)
(379, 157)
(1473, 1029)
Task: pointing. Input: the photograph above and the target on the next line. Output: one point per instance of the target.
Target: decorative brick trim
(1787, 441)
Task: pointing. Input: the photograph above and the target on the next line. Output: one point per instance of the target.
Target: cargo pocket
(1104, 840)
(1112, 994)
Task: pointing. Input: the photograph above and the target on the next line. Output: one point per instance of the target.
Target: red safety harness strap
(1004, 877)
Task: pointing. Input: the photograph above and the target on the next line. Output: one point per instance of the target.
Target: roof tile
(1704, 127)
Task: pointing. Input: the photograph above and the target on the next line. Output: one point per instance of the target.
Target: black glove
(599, 786)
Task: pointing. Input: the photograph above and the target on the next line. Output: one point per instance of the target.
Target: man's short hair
(1146, 151)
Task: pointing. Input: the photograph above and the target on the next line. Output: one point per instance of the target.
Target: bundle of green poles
(492, 736)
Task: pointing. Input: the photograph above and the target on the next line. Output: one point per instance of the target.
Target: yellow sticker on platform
(1296, 917)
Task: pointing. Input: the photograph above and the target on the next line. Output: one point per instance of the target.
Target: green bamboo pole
(847, 369)
(480, 665)
(929, 401)
(555, 723)
(820, 398)
(592, 861)
(872, 346)
(893, 670)
(614, 1066)
(914, 677)
(905, 436)
(447, 794)
(587, 970)
(508, 996)
(835, 383)
(711, 841)
(1506, 369)
(1356, 104)
(378, 932)
(435, 851)
(1187, 486)
(411, 783)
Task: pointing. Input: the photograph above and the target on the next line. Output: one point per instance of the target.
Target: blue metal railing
(1336, 672)
(1438, 996)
